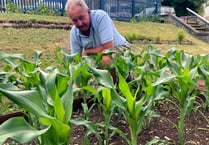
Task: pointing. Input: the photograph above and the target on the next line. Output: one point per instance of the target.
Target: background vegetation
(181, 5)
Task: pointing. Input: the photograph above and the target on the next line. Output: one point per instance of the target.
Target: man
(93, 31)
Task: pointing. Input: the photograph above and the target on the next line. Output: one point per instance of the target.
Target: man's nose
(79, 22)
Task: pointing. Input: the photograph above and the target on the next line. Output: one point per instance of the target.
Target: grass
(29, 17)
(26, 41)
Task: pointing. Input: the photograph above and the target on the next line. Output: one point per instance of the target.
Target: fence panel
(117, 9)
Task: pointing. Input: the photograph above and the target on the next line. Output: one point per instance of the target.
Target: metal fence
(117, 9)
(126, 9)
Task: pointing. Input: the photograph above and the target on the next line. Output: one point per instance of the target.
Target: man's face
(80, 18)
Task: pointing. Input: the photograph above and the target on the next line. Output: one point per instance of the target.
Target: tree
(181, 5)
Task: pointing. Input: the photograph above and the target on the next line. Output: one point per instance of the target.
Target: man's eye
(74, 21)
(81, 17)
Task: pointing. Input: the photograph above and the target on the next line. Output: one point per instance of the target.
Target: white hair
(71, 3)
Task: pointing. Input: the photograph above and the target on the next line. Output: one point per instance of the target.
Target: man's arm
(93, 51)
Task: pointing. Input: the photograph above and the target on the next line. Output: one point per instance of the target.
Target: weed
(181, 36)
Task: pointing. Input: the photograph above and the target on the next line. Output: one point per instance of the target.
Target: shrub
(181, 36)
(11, 7)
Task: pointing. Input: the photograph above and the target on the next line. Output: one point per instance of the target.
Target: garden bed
(196, 127)
(34, 24)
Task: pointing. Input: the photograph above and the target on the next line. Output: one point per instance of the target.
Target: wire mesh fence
(117, 9)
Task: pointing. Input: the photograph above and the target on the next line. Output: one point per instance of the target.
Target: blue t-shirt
(102, 31)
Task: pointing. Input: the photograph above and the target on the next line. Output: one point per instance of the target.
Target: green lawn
(27, 41)
(29, 17)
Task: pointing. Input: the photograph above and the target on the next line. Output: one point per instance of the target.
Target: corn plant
(203, 72)
(183, 67)
(135, 109)
(108, 110)
(21, 71)
(51, 109)
(48, 103)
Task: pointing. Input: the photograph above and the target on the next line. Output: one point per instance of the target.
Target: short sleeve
(104, 27)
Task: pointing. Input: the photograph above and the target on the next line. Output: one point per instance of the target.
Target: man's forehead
(76, 10)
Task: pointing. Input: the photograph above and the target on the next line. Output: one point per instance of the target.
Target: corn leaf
(19, 130)
(29, 100)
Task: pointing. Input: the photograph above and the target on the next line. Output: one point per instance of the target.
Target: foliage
(180, 6)
(43, 10)
(181, 35)
(48, 102)
(11, 7)
(49, 96)
(153, 18)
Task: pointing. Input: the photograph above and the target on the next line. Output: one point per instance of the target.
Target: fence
(126, 9)
(117, 9)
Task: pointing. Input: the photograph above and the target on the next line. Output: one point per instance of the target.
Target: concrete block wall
(176, 21)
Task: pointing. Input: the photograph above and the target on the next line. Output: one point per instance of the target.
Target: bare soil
(34, 24)
(196, 130)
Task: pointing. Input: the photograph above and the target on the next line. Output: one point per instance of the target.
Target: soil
(20, 24)
(196, 127)
(196, 130)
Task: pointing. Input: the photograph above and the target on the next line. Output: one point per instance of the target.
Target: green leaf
(27, 66)
(91, 127)
(4, 55)
(104, 77)
(19, 130)
(29, 100)
(52, 89)
(164, 78)
(158, 142)
(127, 93)
(37, 56)
(9, 86)
(62, 130)
(67, 100)
(106, 93)
(174, 67)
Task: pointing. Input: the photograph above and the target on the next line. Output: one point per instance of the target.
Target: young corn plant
(135, 110)
(21, 71)
(182, 87)
(203, 72)
(107, 91)
(108, 109)
(49, 105)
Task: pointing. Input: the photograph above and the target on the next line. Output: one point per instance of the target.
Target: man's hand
(84, 53)
(92, 51)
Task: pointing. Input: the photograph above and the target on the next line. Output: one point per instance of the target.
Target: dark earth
(196, 131)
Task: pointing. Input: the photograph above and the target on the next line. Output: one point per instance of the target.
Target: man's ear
(89, 11)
